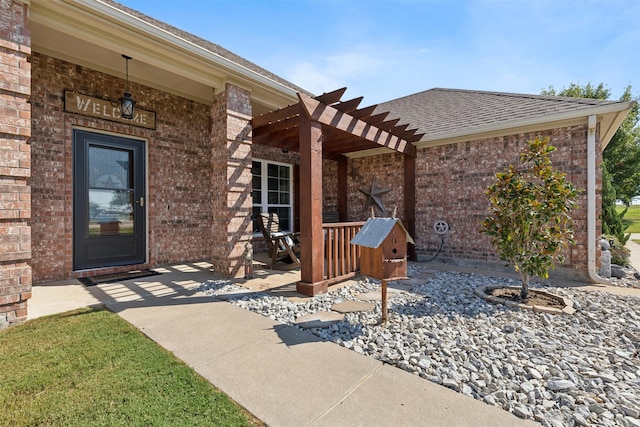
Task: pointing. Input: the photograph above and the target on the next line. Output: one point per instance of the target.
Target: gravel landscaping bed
(561, 370)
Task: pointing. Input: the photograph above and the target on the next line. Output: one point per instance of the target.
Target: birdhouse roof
(375, 230)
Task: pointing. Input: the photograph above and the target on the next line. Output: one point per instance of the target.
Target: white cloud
(333, 71)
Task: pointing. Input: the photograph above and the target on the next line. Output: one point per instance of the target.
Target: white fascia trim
(172, 39)
(607, 133)
(577, 116)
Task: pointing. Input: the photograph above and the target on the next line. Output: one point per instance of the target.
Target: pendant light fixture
(127, 104)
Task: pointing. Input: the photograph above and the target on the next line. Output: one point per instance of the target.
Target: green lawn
(90, 367)
(631, 218)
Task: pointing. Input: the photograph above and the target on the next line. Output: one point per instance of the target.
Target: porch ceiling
(346, 128)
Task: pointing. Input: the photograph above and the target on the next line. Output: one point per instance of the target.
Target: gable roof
(451, 115)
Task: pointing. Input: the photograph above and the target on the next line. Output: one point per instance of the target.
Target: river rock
(617, 271)
(559, 384)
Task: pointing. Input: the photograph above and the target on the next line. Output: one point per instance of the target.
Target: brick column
(231, 204)
(15, 163)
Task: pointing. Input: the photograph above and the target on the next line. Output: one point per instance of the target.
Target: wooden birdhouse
(384, 248)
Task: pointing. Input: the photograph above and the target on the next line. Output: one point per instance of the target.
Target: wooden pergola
(324, 127)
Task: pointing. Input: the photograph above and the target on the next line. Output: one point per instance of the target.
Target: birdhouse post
(383, 256)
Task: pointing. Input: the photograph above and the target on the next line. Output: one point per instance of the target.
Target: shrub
(612, 220)
(530, 204)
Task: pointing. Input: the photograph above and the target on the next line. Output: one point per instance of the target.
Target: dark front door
(108, 200)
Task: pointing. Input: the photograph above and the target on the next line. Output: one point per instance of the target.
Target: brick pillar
(15, 163)
(231, 204)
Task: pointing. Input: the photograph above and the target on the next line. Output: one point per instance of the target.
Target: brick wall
(450, 185)
(178, 168)
(15, 163)
(452, 188)
(388, 171)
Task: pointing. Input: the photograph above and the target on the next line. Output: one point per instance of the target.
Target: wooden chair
(283, 246)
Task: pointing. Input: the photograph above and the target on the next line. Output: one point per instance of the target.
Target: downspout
(591, 202)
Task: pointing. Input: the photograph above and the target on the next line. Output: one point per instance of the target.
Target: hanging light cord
(126, 62)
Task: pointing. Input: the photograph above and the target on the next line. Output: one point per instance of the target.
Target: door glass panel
(109, 168)
(110, 212)
(111, 192)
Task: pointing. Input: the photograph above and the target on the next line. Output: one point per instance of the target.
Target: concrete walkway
(282, 375)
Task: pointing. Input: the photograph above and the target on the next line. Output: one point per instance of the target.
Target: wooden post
(385, 310)
(296, 198)
(410, 202)
(342, 189)
(311, 238)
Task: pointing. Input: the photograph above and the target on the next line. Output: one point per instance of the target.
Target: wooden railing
(342, 259)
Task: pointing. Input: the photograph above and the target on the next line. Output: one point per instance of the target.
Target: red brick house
(85, 192)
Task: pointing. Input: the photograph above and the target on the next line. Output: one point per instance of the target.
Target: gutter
(591, 202)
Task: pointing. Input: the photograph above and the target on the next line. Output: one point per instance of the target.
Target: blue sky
(383, 50)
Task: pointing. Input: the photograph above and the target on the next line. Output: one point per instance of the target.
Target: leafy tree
(530, 223)
(622, 155)
(576, 91)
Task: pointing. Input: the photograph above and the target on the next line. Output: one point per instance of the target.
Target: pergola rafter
(349, 106)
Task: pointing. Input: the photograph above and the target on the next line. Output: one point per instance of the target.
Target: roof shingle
(438, 111)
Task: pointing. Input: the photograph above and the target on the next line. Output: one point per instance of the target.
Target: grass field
(631, 218)
(90, 367)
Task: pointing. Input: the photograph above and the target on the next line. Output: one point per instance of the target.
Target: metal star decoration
(374, 196)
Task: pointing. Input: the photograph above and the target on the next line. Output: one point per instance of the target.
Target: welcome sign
(95, 107)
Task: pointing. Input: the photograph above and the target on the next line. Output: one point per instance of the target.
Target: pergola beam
(329, 116)
(292, 111)
(265, 138)
(290, 123)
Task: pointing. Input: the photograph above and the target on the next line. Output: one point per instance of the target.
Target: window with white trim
(272, 190)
